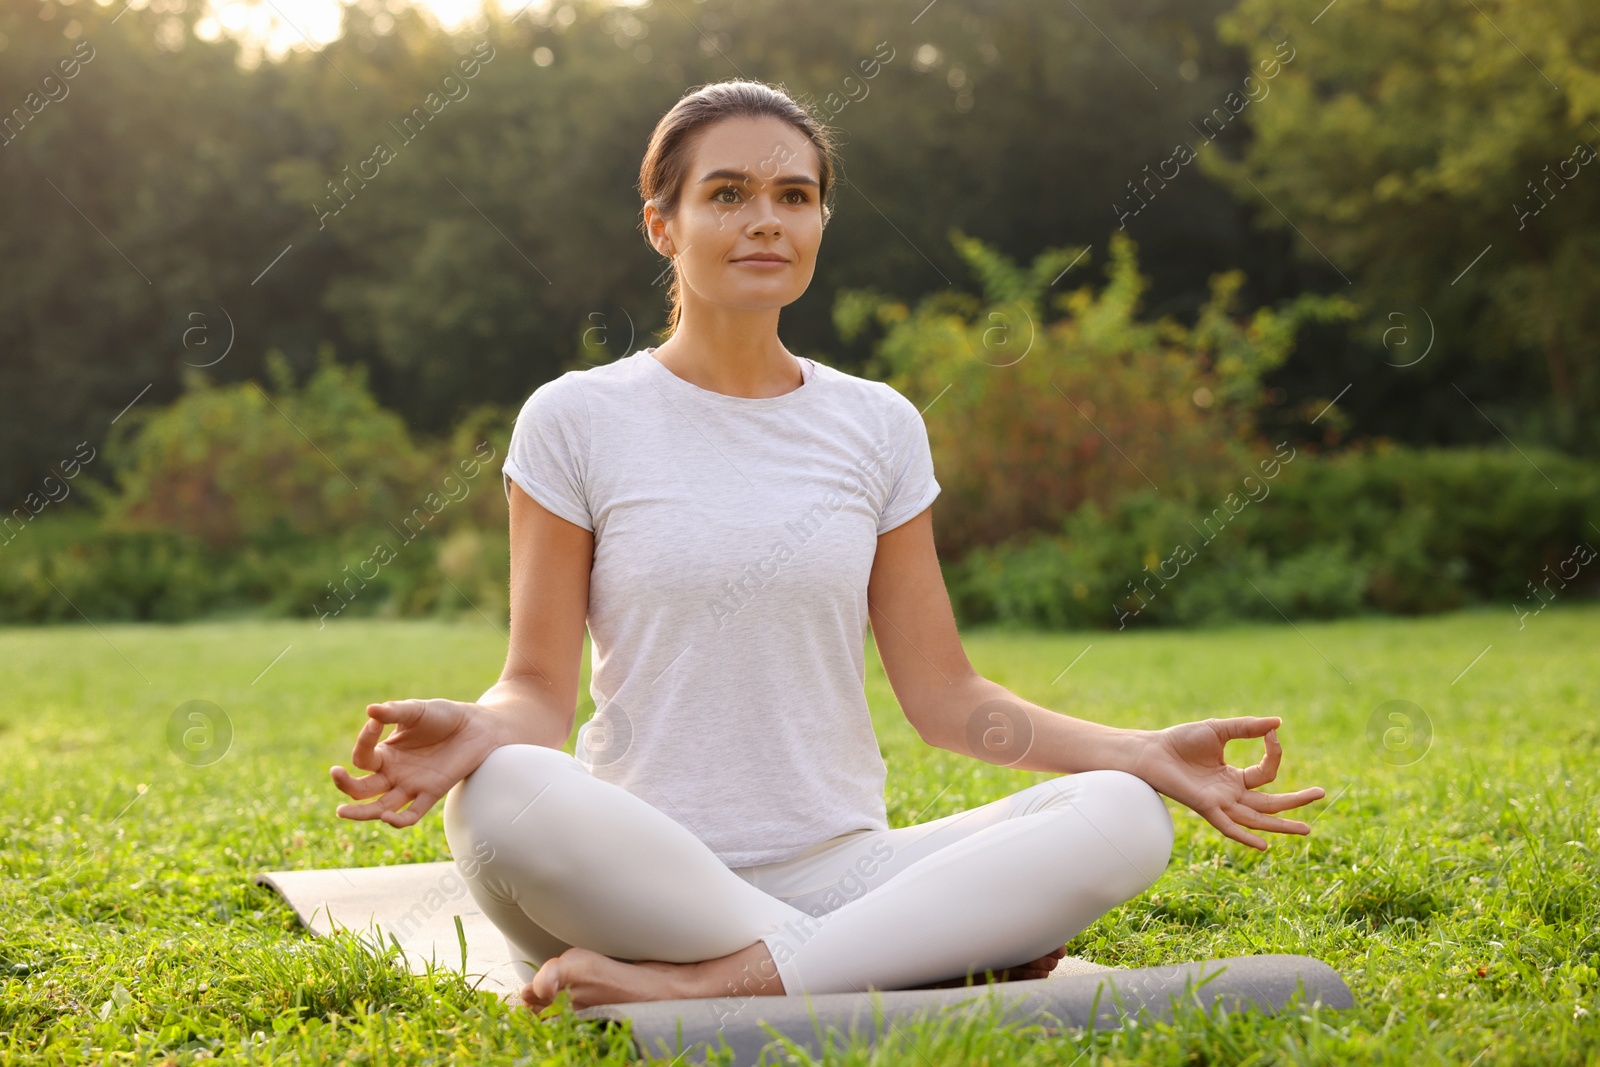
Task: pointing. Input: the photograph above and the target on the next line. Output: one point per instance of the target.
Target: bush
(1031, 419)
(1380, 529)
(69, 563)
(228, 464)
(234, 500)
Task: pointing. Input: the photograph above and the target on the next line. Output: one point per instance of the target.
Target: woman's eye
(733, 195)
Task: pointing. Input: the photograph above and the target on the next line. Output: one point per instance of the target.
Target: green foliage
(71, 564)
(468, 267)
(1405, 140)
(227, 464)
(1031, 418)
(233, 500)
(1385, 529)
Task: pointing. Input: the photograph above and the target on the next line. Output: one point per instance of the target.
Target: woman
(728, 518)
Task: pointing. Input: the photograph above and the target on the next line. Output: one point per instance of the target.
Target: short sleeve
(548, 454)
(912, 484)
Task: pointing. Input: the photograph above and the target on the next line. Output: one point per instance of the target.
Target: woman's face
(751, 190)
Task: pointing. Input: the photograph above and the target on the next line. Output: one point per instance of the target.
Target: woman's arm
(953, 707)
(987, 721)
(950, 704)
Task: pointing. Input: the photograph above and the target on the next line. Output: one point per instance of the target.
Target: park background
(1266, 328)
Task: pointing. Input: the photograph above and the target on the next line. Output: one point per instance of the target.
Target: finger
(1257, 821)
(364, 755)
(360, 788)
(391, 800)
(1245, 726)
(1275, 802)
(1220, 820)
(412, 815)
(399, 713)
(1265, 771)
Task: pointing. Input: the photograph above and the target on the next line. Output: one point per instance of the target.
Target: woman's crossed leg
(565, 860)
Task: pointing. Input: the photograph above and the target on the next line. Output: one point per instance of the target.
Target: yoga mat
(418, 904)
(692, 1028)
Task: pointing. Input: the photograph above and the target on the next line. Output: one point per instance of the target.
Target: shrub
(228, 464)
(1383, 528)
(234, 500)
(1031, 419)
(69, 563)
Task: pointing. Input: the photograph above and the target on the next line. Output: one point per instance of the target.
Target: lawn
(1450, 874)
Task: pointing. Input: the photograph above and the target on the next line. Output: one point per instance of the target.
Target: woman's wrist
(515, 714)
(489, 727)
(1145, 755)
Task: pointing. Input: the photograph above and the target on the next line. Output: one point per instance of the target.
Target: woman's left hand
(1186, 763)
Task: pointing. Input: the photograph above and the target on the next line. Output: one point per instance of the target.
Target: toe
(541, 992)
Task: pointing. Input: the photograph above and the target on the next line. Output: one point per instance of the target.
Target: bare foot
(1039, 968)
(592, 978)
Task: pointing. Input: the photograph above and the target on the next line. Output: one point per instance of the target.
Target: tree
(1441, 153)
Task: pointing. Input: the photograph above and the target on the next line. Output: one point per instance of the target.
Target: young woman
(727, 518)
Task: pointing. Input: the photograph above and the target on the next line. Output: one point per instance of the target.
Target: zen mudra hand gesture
(438, 742)
(1186, 762)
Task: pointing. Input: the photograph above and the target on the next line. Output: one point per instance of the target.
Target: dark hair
(666, 160)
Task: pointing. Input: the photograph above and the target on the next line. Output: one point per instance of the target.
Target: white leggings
(556, 857)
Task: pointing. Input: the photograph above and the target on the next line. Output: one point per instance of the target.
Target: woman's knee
(483, 813)
(1135, 821)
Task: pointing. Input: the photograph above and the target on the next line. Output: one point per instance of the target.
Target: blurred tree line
(1098, 467)
(170, 206)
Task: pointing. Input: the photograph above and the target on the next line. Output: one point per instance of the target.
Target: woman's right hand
(436, 743)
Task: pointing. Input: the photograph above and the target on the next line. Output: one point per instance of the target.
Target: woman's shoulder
(879, 396)
(571, 390)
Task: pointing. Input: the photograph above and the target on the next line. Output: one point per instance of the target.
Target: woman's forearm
(985, 720)
(524, 711)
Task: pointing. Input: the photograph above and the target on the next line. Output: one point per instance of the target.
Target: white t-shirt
(733, 541)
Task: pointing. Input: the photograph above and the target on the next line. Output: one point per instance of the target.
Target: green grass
(1455, 891)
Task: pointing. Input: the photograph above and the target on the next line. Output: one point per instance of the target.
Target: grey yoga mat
(418, 905)
(693, 1028)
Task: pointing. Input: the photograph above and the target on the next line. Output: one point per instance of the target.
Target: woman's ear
(661, 243)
